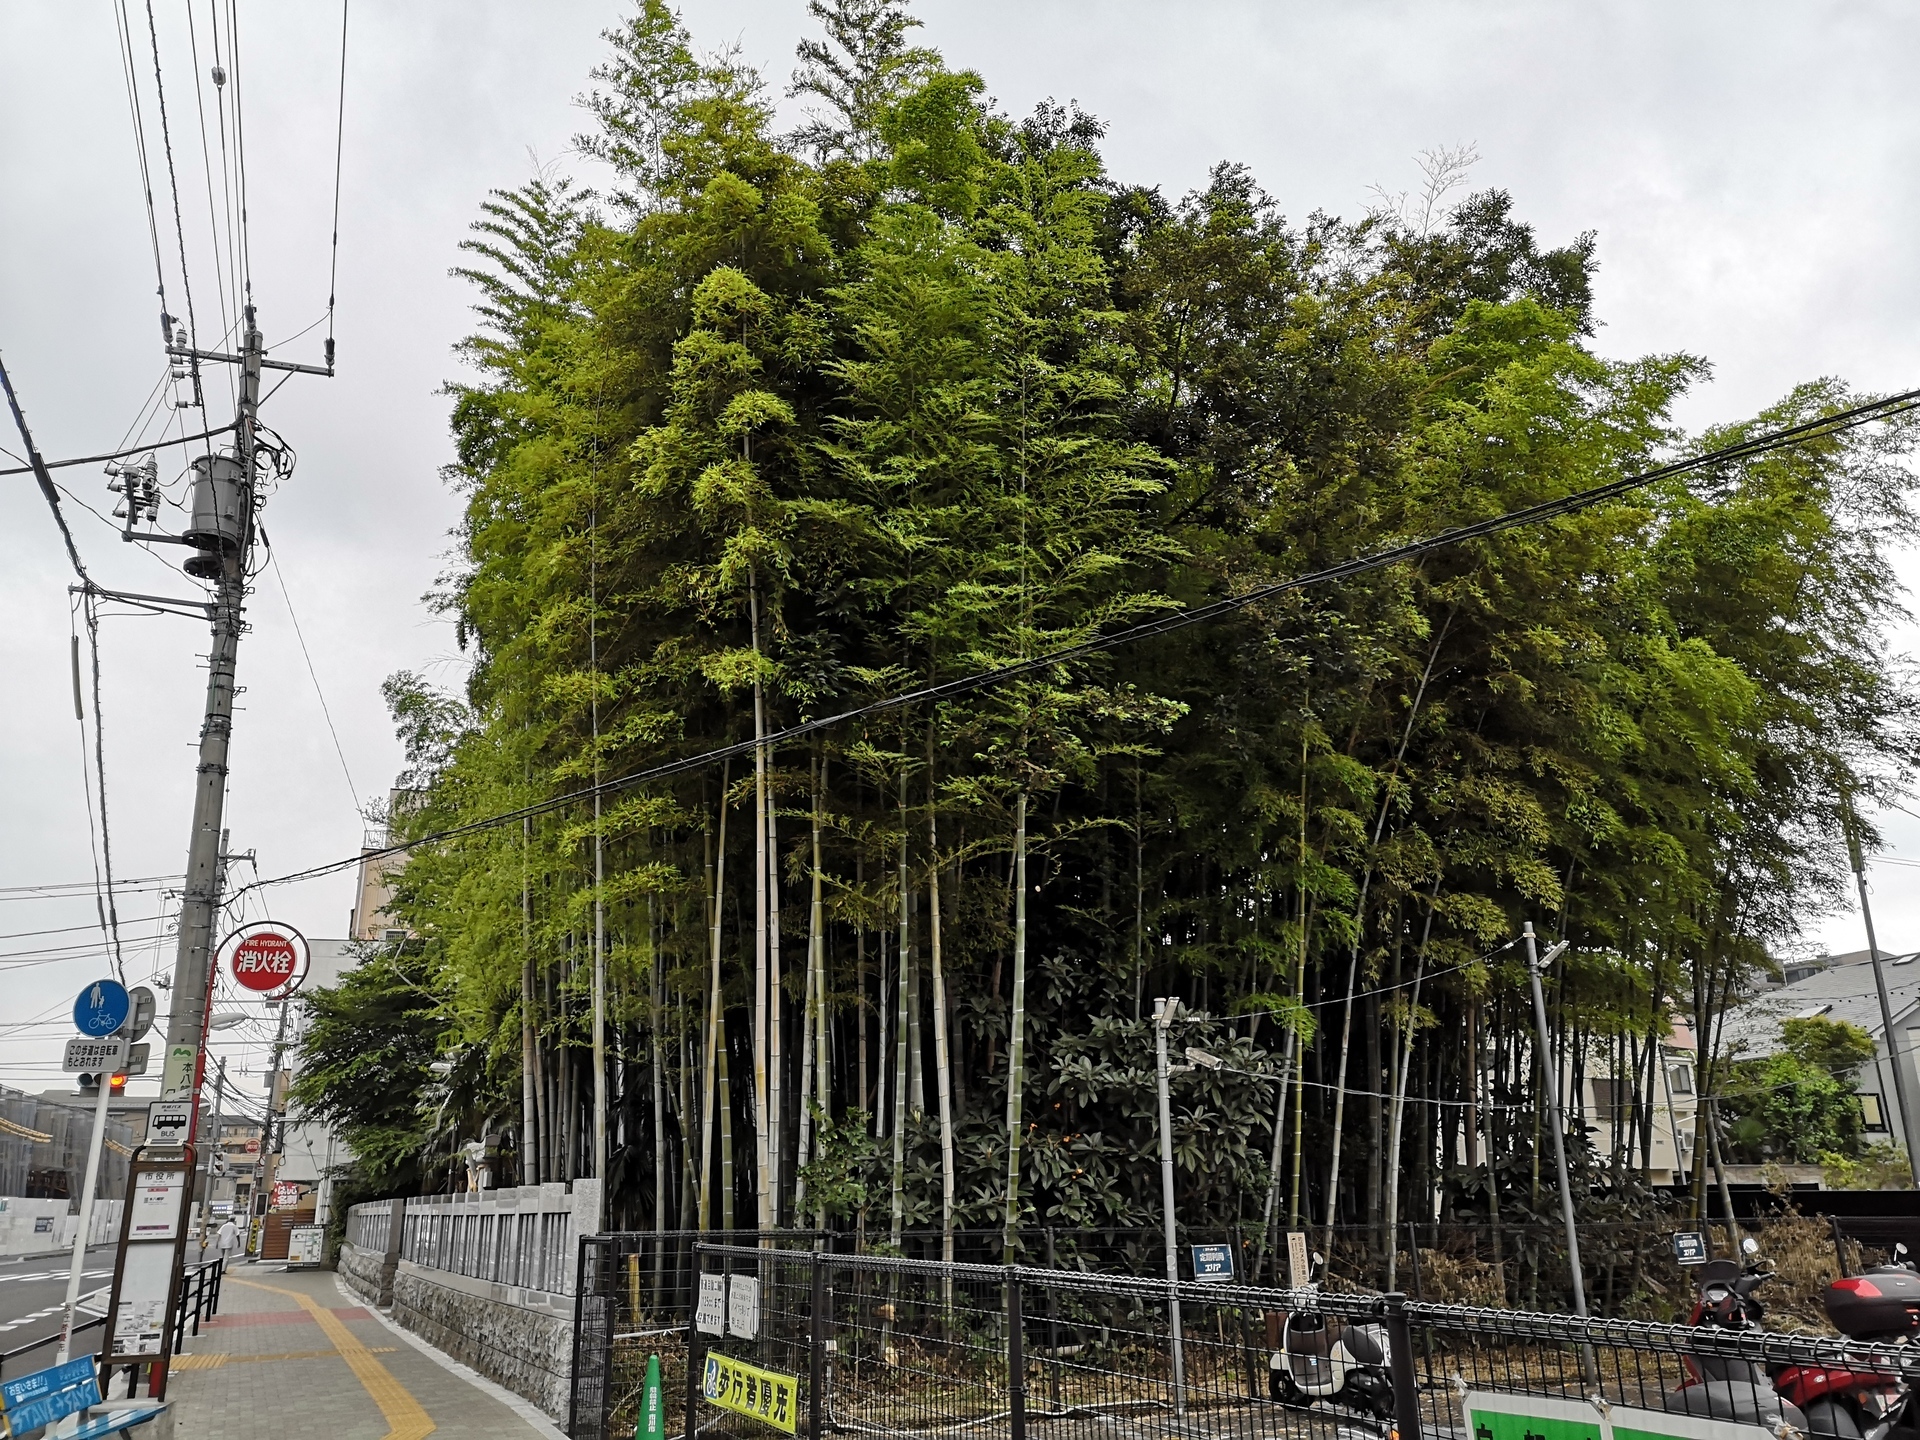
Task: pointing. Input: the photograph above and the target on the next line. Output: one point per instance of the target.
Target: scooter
(1724, 1387)
(1322, 1357)
(1881, 1304)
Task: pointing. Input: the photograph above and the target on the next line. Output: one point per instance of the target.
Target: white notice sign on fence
(710, 1313)
(743, 1306)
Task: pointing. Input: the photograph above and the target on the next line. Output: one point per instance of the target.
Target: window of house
(1873, 1114)
(1612, 1099)
(1680, 1076)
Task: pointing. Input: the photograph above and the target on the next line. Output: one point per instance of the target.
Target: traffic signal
(90, 1084)
(119, 1084)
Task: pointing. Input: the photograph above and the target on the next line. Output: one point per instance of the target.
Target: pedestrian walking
(228, 1240)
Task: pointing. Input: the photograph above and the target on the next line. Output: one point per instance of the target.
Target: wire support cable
(1882, 409)
(326, 712)
(161, 444)
(339, 138)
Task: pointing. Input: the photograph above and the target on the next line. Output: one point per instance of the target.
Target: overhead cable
(179, 226)
(1836, 423)
(206, 170)
(131, 76)
(39, 468)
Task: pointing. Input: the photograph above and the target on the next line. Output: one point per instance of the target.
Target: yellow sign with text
(748, 1390)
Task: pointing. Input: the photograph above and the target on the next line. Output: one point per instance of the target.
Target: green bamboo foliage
(922, 391)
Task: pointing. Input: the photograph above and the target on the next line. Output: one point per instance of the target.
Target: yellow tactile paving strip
(406, 1420)
(213, 1360)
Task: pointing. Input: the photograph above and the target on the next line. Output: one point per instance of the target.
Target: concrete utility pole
(1896, 1040)
(223, 515)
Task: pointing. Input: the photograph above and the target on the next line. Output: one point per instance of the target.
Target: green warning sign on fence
(748, 1390)
(1539, 1417)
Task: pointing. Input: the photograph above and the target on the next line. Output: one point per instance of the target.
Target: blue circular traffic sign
(102, 1008)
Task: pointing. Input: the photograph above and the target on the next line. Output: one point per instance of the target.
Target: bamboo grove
(776, 422)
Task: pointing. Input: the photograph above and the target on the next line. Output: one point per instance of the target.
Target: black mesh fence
(791, 1338)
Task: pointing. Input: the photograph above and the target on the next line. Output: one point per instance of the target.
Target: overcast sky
(1749, 168)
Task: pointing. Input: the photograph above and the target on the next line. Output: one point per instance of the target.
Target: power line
(39, 468)
(125, 30)
(179, 226)
(240, 149)
(112, 917)
(206, 170)
(1881, 409)
(49, 891)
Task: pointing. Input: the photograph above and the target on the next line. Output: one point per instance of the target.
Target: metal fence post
(1053, 1330)
(690, 1421)
(1016, 1362)
(817, 1350)
(1406, 1391)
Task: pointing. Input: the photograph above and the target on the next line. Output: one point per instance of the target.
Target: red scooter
(1726, 1387)
(1883, 1304)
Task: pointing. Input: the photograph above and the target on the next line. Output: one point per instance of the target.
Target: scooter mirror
(1320, 1259)
(1749, 1246)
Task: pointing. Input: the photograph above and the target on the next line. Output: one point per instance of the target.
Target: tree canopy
(776, 423)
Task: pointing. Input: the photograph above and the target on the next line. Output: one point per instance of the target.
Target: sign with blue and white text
(1212, 1262)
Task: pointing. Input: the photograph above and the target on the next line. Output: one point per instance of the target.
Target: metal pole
(1016, 1360)
(1896, 1041)
(1162, 1019)
(1406, 1384)
(206, 1190)
(74, 1271)
(273, 1137)
(1557, 1126)
(817, 1351)
(599, 888)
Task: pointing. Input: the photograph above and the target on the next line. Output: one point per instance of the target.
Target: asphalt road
(32, 1295)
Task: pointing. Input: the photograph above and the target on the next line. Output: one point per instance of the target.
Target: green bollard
(653, 1420)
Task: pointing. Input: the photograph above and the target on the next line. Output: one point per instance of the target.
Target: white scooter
(1322, 1357)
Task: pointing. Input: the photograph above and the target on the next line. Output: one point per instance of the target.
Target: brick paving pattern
(288, 1359)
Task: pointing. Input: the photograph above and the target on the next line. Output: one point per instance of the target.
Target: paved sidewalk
(290, 1358)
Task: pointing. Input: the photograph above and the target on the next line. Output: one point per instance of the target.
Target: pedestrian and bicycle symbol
(102, 1008)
